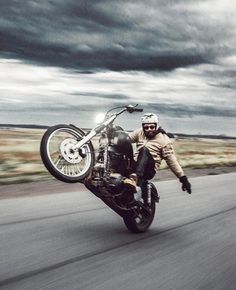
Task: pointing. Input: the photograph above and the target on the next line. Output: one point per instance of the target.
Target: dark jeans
(145, 165)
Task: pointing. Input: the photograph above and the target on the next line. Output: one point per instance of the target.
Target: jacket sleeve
(168, 155)
(134, 136)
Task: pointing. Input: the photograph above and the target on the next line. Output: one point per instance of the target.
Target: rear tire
(58, 157)
(140, 222)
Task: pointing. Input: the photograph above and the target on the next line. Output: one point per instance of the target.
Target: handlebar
(128, 108)
(132, 109)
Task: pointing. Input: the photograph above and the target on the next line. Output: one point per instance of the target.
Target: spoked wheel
(141, 219)
(60, 159)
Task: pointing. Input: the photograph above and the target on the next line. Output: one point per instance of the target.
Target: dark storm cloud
(116, 35)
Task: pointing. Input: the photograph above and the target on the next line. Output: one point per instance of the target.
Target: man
(153, 145)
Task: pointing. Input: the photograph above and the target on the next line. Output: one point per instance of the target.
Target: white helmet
(149, 118)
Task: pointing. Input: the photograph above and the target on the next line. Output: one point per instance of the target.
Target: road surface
(73, 241)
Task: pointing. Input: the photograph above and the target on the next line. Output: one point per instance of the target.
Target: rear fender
(154, 192)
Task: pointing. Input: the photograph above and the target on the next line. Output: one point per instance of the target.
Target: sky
(65, 61)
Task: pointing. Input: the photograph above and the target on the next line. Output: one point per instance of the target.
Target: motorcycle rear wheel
(141, 222)
(60, 159)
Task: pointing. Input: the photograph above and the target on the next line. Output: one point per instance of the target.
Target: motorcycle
(68, 154)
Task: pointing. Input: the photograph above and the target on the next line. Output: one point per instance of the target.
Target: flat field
(20, 159)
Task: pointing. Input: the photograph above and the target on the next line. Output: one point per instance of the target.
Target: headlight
(99, 118)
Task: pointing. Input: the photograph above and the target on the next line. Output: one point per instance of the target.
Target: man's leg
(144, 170)
(145, 166)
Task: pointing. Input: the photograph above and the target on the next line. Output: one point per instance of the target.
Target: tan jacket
(160, 147)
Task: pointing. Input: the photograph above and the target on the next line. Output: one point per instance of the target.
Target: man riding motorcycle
(153, 145)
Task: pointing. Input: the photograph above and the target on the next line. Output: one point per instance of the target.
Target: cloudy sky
(63, 61)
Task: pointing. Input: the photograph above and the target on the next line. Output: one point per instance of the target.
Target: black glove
(185, 184)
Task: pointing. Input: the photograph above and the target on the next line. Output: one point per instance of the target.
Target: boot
(131, 183)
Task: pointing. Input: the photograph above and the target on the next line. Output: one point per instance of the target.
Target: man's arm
(134, 136)
(168, 155)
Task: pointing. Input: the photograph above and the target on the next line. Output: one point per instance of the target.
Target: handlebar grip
(139, 110)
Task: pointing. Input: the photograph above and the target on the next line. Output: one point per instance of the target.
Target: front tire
(60, 159)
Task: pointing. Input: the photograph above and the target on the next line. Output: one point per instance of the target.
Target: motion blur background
(65, 61)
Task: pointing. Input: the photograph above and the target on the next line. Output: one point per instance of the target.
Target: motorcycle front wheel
(58, 156)
(141, 220)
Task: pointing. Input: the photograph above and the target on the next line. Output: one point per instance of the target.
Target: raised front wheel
(59, 157)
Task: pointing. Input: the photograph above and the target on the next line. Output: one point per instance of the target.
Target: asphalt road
(73, 241)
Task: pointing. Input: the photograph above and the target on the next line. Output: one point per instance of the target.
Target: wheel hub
(67, 152)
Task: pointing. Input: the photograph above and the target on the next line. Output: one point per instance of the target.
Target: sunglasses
(146, 127)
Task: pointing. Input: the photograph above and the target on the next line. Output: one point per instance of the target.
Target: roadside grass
(20, 159)
(205, 153)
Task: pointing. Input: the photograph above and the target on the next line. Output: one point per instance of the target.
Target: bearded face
(150, 130)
